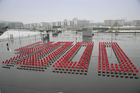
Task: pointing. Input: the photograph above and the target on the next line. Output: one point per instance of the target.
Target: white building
(114, 22)
(136, 22)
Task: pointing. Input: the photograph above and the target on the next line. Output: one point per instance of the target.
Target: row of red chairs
(124, 60)
(32, 63)
(103, 59)
(84, 60)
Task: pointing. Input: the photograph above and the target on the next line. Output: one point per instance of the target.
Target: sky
(32, 11)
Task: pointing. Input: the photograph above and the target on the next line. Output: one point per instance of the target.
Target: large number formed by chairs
(59, 57)
(66, 65)
(124, 68)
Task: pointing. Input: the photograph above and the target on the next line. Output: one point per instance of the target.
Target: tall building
(75, 21)
(71, 23)
(59, 23)
(65, 22)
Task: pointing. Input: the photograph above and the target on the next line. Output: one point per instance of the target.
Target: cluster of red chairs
(125, 62)
(9, 62)
(24, 54)
(103, 64)
(38, 60)
(43, 55)
(85, 58)
(65, 58)
(124, 66)
(52, 57)
(65, 64)
(13, 60)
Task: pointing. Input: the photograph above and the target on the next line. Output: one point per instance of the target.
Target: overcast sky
(29, 11)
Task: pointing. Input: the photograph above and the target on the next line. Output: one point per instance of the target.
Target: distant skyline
(34, 11)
